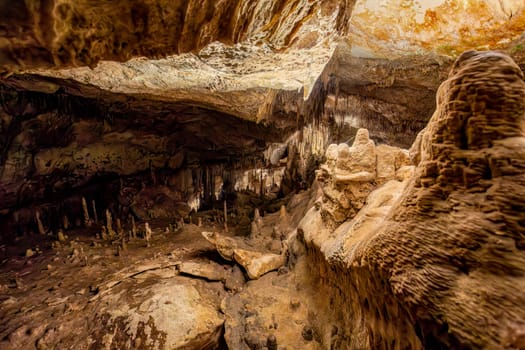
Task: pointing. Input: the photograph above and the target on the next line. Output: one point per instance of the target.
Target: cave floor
(55, 298)
(64, 280)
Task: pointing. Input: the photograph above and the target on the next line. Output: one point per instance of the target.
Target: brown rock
(257, 264)
(351, 173)
(444, 266)
(207, 270)
(224, 245)
(173, 314)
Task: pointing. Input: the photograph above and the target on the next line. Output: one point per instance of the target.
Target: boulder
(225, 245)
(257, 264)
(172, 314)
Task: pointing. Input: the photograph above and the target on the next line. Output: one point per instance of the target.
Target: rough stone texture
(207, 270)
(256, 261)
(225, 245)
(80, 294)
(168, 315)
(157, 162)
(274, 306)
(157, 136)
(442, 266)
(446, 27)
(351, 173)
(268, 59)
(257, 264)
(82, 32)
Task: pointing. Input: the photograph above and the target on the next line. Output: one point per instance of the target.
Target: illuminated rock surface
(130, 129)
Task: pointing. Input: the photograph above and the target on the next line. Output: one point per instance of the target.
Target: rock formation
(438, 262)
(255, 262)
(351, 173)
(254, 148)
(175, 315)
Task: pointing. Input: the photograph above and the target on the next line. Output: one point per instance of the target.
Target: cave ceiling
(237, 57)
(220, 80)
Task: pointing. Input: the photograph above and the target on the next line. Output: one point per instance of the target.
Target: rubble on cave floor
(78, 290)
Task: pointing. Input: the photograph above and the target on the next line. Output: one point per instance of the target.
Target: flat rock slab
(256, 263)
(207, 270)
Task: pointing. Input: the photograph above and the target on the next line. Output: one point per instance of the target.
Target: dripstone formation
(262, 174)
(443, 265)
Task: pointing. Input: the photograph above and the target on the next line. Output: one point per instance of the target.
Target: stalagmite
(225, 217)
(256, 215)
(95, 215)
(257, 224)
(87, 219)
(124, 244)
(120, 231)
(41, 229)
(282, 212)
(65, 222)
(109, 224)
(283, 215)
(199, 222)
(60, 236)
(103, 233)
(147, 233)
(133, 228)
(254, 230)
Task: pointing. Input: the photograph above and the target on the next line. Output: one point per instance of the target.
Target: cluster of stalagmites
(265, 252)
(108, 230)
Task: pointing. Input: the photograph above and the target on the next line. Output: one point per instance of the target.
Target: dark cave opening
(57, 148)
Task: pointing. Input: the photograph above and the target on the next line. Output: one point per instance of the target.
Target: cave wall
(148, 161)
(435, 259)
